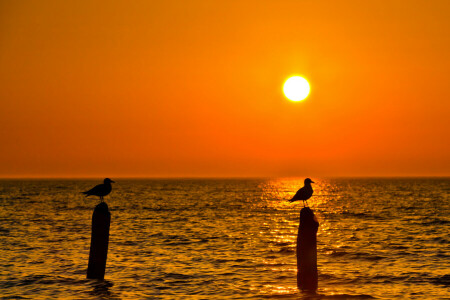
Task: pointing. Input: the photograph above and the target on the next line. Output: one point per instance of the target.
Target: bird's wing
(298, 195)
(95, 190)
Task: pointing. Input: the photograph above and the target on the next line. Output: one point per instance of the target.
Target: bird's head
(308, 181)
(107, 180)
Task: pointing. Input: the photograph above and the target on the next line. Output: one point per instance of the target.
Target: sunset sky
(194, 88)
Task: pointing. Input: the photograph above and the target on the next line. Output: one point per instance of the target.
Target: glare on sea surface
(296, 88)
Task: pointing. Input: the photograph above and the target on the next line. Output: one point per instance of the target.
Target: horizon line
(218, 177)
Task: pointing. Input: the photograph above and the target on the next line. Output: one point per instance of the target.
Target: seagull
(304, 193)
(100, 190)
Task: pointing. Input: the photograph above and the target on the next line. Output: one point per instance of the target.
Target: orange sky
(194, 88)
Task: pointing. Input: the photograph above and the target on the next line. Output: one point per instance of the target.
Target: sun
(296, 88)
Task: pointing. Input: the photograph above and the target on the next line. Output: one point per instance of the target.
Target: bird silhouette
(304, 193)
(100, 190)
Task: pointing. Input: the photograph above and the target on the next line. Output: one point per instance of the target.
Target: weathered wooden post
(99, 242)
(307, 277)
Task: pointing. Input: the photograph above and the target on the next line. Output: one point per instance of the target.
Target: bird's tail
(86, 193)
(292, 200)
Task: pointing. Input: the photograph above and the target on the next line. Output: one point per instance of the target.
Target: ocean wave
(178, 243)
(327, 276)
(435, 222)
(282, 243)
(284, 250)
(442, 280)
(180, 276)
(441, 240)
(13, 297)
(344, 296)
(312, 296)
(37, 280)
(235, 262)
(280, 296)
(416, 278)
(362, 215)
(355, 255)
(366, 256)
(4, 231)
(385, 279)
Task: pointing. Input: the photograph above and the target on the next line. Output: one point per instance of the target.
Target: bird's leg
(304, 203)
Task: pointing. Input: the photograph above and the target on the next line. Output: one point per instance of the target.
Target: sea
(378, 238)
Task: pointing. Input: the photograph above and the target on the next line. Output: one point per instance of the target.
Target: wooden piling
(307, 276)
(98, 253)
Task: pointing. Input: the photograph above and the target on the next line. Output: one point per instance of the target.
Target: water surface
(226, 239)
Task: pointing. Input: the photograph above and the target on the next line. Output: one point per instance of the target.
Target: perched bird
(304, 193)
(100, 190)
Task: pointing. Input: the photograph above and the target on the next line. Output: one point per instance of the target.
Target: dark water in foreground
(226, 239)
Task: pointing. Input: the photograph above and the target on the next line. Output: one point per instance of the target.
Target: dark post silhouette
(99, 242)
(307, 276)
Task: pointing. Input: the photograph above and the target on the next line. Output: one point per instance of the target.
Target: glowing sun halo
(296, 88)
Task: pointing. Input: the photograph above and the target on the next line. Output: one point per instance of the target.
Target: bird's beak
(113, 181)
(312, 181)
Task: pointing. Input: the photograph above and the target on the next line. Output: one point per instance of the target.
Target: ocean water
(226, 239)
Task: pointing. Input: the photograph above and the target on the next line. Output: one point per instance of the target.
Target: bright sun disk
(296, 88)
